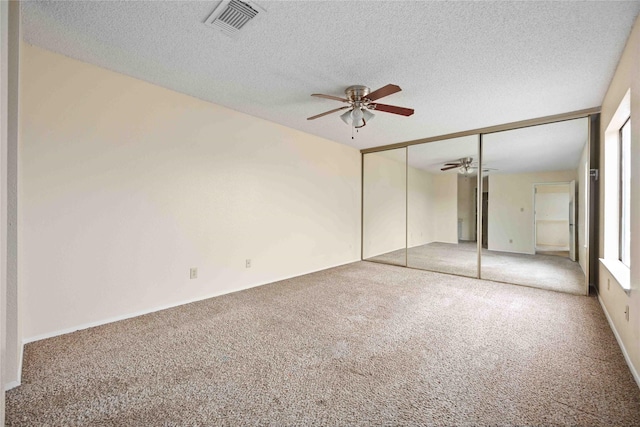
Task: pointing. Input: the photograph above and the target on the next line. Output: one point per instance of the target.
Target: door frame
(535, 223)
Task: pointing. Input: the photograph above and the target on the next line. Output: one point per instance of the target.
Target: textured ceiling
(552, 147)
(432, 156)
(461, 65)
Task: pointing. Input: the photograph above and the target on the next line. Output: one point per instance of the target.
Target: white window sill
(620, 272)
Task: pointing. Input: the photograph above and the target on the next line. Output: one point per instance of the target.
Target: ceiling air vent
(231, 15)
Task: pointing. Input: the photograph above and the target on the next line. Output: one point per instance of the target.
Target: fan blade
(328, 112)
(393, 109)
(450, 167)
(335, 98)
(383, 91)
(453, 164)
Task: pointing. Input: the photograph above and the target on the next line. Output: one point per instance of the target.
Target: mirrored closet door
(384, 207)
(535, 202)
(442, 215)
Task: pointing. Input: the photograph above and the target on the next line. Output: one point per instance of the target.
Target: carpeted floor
(541, 270)
(361, 344)
(552, 272)
(459, 259)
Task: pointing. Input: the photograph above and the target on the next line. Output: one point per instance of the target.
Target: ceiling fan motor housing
(356, 92)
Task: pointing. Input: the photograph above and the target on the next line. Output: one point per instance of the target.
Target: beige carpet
(541, 270)
(362, 344)
(459, 259)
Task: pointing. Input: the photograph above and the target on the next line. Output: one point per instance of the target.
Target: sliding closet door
(384, 206)
(442, 187)
(536, 195)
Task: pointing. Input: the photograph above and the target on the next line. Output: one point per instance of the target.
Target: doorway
(554, 219)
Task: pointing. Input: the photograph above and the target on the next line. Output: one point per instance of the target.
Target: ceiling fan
(466, 166)
(360, 102)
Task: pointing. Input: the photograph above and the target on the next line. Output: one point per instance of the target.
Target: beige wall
(125, 186)
(4, 120)
(510, 213)
(446, 207)
(466, 205)
(421, 201)
(384, 202)
(433, 207)
(10, 302)
(615, 301)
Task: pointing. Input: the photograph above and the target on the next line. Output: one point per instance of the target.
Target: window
(625, 194)
(617, 194)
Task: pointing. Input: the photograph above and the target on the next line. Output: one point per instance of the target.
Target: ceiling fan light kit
(360, 100)
(357, 117)
(465, 170)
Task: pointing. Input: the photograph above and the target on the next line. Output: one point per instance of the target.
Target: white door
(572, 221)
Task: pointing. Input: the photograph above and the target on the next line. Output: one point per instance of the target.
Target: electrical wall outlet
(248, 263)
(510, 240)
(193, 273)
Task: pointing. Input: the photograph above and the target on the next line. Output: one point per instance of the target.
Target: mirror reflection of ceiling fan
(360, 102)
(465, 165)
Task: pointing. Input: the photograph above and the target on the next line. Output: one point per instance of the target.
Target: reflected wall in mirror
(442, 185)
(535, 206)
(384, 213)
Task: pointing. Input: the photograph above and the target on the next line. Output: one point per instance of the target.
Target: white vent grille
(231, 15)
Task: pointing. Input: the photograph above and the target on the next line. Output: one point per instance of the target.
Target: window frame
(624, 182)
(610, 192)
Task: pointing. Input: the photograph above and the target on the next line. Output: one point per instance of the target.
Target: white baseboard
(163, 307)
(552, 248)
(20, 360)
(12, 384)
(632, 368)
(18, 374)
